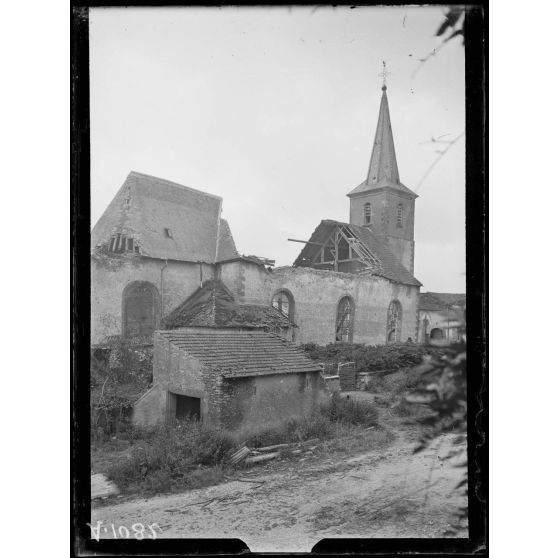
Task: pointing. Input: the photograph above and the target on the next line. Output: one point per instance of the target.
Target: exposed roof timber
(364, 242)
(304, 241)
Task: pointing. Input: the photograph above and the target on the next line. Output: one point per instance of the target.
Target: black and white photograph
(279, 274)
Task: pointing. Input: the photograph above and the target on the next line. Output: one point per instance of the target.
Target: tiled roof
(226, 249)
(453, 299)
(390, 267)
(213, 305)
(167, 221)
(440, 301)
(238, 353)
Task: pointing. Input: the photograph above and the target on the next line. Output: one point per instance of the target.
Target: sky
(275, 110)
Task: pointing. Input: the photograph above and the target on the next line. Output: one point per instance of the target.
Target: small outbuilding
(229, 377)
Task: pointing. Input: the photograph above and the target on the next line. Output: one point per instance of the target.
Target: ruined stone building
(441, 317)
(163, 259)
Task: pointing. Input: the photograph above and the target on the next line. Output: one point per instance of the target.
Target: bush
(170, 454)
(350, 412)
(366, 358)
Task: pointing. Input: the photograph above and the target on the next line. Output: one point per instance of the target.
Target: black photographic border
(476, 42)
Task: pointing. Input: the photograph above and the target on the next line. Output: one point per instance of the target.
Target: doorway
(185, 407)
(436, 334)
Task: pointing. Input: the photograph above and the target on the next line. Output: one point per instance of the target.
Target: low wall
(268, 401)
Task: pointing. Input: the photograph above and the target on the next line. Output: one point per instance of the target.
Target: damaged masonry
(165, 269)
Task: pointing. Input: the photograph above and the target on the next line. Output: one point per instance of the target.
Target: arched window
(367, 213)
(284, 302)
(400, 215)
(345, 320)
(394, 321)
(140, 309)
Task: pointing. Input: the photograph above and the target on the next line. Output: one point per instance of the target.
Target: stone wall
(268, 401)
(110, 275)
(250, 283)
(384, 217)
(255, 402)
(150, 409)
(317, 293)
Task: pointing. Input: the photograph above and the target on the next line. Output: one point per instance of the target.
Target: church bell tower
(382, 202)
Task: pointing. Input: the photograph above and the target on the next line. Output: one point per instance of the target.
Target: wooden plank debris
(272, 448)
(240, 455)
(260, 458)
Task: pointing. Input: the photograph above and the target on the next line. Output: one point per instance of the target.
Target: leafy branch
(453, 22)
(441, 153)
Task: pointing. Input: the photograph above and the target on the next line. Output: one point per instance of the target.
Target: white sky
(275, 110)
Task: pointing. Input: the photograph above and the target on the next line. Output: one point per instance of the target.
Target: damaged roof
(389, 266)
(167, 221)
(241, 353)
(213, 305)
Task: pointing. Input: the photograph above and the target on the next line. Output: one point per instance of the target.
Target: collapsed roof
(213, 305)
(364, 246)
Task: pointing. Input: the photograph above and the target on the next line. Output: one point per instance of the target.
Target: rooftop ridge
(171, 183)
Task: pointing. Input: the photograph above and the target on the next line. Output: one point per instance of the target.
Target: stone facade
(317, 293)
(268, 401)
(262, 401)
(111, 274)
(384, 206)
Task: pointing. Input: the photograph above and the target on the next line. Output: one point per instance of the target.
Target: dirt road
(290, 505)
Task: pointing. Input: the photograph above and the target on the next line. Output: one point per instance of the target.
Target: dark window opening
(187, 407)
(130, 244)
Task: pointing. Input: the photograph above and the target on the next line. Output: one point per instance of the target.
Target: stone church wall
(110, 275)
(317, 293)
(249, 283)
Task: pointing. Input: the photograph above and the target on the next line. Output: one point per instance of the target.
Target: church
(224, 328)
(158, 243)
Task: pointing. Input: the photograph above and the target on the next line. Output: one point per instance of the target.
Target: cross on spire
(384, 74)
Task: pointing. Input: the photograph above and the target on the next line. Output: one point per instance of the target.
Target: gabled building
(353, 282)
(162, 251)
(229, 377)
(441, 317)
(154, 245)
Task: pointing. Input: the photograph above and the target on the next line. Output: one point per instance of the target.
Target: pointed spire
(383, 164)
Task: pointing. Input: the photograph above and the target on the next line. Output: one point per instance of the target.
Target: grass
(191, 455)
